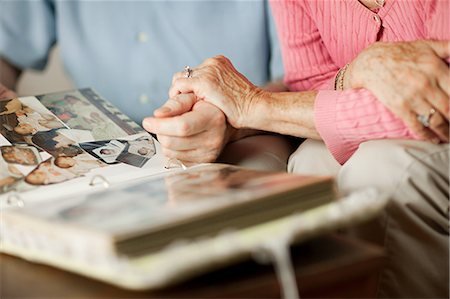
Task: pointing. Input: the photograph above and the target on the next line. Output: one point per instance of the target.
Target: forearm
(9, 74)
(343, 119)
(276, 85)
(287, 113)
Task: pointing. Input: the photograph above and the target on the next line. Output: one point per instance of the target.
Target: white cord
(278, 253)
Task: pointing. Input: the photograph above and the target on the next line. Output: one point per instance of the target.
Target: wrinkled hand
(189, 130)
(409, 78)
(218, 82)
(6, 94)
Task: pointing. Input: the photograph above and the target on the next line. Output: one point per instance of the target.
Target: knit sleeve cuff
(326, 124)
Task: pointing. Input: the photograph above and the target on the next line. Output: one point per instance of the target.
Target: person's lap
(261, 152)
(414, 229)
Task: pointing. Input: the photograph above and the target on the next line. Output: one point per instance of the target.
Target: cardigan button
(376, 18)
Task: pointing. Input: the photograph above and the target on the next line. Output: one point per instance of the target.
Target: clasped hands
(411, 79)
(206, 108)
(203, 112)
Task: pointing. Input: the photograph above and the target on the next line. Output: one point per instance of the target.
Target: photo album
(57, 143)
(86, 189)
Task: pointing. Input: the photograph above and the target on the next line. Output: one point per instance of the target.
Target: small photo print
(61, 169)
(22, 118)
(47, 173)
(10, 176)
(137, 152)
(84, 110)
(20, 154)
(56, 143)
(110, 151)
(132, 152)
(142, 146)
(105, 150)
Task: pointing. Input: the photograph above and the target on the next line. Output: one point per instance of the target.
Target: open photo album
(84, 188)
(61, 141)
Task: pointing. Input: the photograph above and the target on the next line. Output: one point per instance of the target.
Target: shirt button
(142, 37)
(143, 99)
(376, 18)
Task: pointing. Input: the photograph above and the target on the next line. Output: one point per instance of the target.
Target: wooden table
(326, 267)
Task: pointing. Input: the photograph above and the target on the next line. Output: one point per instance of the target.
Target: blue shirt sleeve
(276, 70)
(27, 32)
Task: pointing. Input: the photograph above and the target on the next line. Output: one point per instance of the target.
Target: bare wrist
(256, 101)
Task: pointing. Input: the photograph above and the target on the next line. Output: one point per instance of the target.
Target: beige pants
(262, 152)
(414, 229)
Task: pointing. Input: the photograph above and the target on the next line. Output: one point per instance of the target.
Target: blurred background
(50, 80)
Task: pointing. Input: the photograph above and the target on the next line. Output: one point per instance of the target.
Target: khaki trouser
(414, 229)
(262, 152)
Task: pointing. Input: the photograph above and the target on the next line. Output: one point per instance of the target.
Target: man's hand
(6, 94)
(189, 130)
(409, 78)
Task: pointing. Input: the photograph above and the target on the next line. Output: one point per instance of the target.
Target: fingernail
(164, 110)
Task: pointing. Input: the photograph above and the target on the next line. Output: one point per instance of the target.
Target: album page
(54, 145)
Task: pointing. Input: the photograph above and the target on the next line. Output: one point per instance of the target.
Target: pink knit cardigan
(318, 37)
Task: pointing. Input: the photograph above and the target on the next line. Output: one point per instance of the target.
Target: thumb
(177, 105)
(442, 48)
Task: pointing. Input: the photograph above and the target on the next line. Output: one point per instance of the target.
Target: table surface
(330, 266)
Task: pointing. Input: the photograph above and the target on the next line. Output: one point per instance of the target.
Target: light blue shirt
(129, 50)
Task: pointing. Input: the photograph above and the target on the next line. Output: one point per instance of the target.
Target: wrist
(255, 103)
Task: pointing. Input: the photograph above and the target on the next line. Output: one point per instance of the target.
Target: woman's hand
(6, 94)
(218, 82)
(411, 79)
(189, 130)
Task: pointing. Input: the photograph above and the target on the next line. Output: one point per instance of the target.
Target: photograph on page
(20, 154)
(137, 152)
(83, 109)
(56, 143)
(61, 169)
(9, 176)
(21, 118)
(105, 150)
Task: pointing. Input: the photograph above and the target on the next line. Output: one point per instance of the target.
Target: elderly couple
(366, 85)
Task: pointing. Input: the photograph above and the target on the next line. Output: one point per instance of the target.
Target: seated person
(128, 62)
(381, 111)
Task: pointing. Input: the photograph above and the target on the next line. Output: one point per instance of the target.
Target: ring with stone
(424, 119)
(187, 71)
